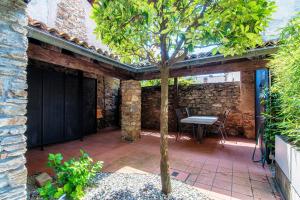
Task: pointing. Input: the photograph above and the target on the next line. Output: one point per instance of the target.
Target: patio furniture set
(200, 123)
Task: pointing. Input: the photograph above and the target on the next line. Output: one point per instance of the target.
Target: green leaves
(285, 66)
(133, 29)
(71, 176)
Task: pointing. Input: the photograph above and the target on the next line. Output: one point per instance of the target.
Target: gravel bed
(118, 186)
(121, 186)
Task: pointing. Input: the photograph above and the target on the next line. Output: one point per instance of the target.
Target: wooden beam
(240, 65)
(37, 52)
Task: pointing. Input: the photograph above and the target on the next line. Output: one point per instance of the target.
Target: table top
(208, 120)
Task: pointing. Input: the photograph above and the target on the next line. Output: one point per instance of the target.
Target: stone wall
(248, 103)
(13, 99)
(108, 100)
(112, 101)
(202, 99)
(131, 110)
(71, 18)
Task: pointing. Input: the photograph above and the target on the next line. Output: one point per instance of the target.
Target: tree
(163, 32)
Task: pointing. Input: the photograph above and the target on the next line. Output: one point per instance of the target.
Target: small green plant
(72, 176)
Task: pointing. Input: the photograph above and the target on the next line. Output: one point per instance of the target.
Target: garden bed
(121, 186)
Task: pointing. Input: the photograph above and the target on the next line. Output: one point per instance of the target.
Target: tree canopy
(166, 30)
(163, 32)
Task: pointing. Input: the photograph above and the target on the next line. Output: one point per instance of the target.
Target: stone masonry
(248, 103)
(108, 100)
(71, 18)
(131, 110)
(112, 100)
(13, 99)
(202, 99)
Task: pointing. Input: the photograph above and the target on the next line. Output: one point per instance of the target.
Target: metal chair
(221, 125)
(181, 126)
(188, 111)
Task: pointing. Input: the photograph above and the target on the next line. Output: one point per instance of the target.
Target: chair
(221, 125)
(188, 111)
(181, 126)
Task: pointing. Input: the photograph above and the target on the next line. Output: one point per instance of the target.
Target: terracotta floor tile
(261, 185)
(179, 175)
(224, 169)
(192, 177)
(221, 194)
(193, 170)
(224, 177)
(202, 186)
(190, 182)
(238, 196)
(261, 194)
(241, 181)
(210, 167)
(205, 180)
(241, 174)
(221, 184)
(205, 162)
(246, 190)
(262, 178)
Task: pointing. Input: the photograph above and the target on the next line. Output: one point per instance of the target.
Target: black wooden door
(60, 106)
(53, 107)
(34, 106)
(89, 105)
(72, 108)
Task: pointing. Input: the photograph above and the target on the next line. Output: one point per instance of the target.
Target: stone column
(131, 110)
(13, 99)
(247, 104)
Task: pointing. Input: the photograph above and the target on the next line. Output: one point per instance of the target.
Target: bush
(286, 70)
(272, 115)
(72, 176)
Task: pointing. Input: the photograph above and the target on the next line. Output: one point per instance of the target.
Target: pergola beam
(39, 53)
(212, 68)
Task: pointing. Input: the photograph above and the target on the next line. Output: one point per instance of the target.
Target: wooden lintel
(244, 65)
(37, 52)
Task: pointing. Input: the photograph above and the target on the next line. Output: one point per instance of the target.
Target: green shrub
(272, 115)
(72, 176)
(286, 70)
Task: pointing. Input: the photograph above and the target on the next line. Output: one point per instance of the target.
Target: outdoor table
(200, 121)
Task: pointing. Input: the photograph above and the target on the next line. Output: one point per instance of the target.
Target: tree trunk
(164, 161)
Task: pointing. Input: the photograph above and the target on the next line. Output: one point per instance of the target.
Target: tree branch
(182, 40)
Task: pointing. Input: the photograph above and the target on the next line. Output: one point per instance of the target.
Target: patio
(221, 172)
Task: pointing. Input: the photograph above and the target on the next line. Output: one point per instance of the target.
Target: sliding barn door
(53, 107)
(61, 106)
(34, 106)
(72, 108)
(89, 105)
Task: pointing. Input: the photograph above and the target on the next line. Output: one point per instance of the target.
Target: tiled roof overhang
(41, 32)
(253, 53)
(51, 39)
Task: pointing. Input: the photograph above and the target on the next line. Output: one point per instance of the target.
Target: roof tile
(53, 31)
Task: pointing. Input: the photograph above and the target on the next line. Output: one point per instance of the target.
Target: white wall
(46, 12)
(90, 26)
(43, 10)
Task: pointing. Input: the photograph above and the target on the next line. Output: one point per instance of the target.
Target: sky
(286, 9)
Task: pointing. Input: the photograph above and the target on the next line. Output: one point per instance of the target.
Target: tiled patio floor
(223, 172)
